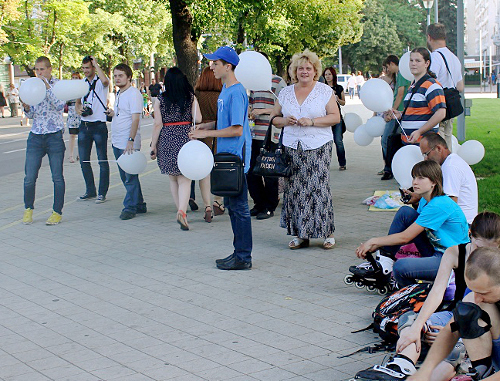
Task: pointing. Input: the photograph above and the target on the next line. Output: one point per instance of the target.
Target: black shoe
(234, 264)
(264, 215)
(254, 211)
(141, 208)
(86, 197)
(228, 258)
(126, 215)
(193, 205)
(387, 176)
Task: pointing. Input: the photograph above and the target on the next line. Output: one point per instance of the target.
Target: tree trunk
(185, 43)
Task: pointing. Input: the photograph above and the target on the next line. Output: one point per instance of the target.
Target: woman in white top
(307, 110)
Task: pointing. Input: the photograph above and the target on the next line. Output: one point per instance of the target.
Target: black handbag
(226, 178)
(453, 101)
(272, 163)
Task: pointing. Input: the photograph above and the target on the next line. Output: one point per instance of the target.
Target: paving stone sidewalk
(97, 298)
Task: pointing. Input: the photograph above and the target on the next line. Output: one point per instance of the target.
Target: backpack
(389, 310)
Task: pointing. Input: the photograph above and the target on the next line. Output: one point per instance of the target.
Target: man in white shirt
(459, 181)
(436, 42)
(126, 137)
(92, 108)
(351, 85)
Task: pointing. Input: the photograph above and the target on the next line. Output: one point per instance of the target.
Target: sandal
(218, 208)
(182, 220)
(329, 243)
(208, 214)
(298, 243)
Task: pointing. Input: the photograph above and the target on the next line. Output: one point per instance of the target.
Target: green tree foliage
(389, 27)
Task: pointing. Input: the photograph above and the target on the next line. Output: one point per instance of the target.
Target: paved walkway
(97, 298)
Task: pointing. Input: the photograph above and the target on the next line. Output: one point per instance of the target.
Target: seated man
(477, 321)
(459, 182)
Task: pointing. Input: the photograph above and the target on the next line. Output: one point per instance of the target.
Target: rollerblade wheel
(371, 288)
(359, 285)
(348, 280)
(384, 290)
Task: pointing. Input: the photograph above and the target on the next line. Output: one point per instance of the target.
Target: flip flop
(298, 243)
(329, 243)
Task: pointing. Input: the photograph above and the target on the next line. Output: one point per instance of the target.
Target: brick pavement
(97, 298)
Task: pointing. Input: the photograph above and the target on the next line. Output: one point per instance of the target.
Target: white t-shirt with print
(459, 181)
(127, 103)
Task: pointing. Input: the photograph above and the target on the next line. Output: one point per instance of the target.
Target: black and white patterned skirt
(307, 200)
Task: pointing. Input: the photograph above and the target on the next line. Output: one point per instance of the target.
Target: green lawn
(484, 125)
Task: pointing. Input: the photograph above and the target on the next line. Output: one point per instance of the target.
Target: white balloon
(455, 146)
(32, 91)
(352, 121)
(254, 71)
(70, 89)
(133, 163)
(377, 95)
(361, 137)
(195, 160)
(472, 152)
(375, 126)
(403, 162)
(404, 67)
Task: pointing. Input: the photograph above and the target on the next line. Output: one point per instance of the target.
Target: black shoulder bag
(226, 178)
(272, 163)
(453, 102)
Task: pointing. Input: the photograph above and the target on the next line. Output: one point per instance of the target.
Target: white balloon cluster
(471, 151)
(377, 95)
(404, 67)
(33, 90)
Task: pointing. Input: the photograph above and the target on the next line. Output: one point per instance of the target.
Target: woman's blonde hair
(299, 58)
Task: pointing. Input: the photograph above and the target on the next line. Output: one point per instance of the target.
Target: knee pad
(466, 317)
(406, 320)
(457, 355)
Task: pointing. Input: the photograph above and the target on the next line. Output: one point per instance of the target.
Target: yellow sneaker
(28, 216)
(54, 219)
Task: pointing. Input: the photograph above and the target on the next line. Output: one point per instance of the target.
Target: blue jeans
(338, 139)
(351, 92)
(239, 215)
(406, 270)
(133, 197)
(88, 133)
(37, 147)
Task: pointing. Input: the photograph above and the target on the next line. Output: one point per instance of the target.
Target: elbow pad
(466, 317)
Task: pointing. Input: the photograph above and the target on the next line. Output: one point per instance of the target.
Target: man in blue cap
(233, 136)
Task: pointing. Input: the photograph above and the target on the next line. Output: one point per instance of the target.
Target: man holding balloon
(126, 137)
(233, 136)
(45, 138)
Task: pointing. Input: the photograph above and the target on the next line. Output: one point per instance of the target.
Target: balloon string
(402, 129)
(98, 161)
(194, 119)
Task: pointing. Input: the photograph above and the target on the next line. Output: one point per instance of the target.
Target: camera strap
(92, 88)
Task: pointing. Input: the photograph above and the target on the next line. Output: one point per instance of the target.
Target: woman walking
(73, 122)
(338, 130)
(175, 112)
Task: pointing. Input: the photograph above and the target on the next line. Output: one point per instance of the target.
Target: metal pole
(340, 60)
(491, 70)
(480, 59)
(428, 17)
(436, 11)
(460, 52)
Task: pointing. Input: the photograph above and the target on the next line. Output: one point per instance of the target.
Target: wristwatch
(130, 139)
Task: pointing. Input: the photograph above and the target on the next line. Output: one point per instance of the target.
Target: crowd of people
(305, 116)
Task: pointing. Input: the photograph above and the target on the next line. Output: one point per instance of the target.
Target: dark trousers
(338, 139)
(37, 147)
(263, 190)
(133, 197)
(89, 133)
